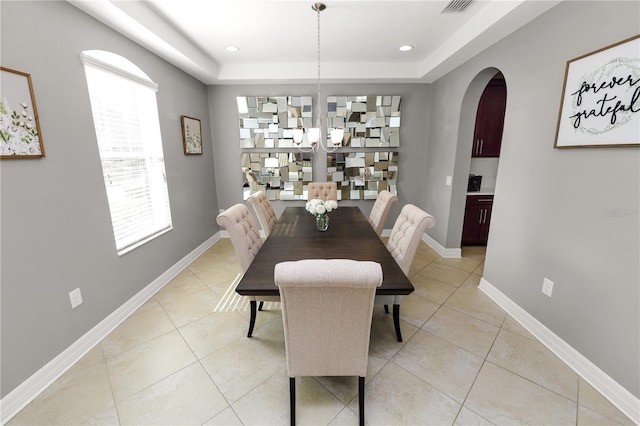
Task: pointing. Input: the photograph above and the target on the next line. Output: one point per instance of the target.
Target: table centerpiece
(319, 208)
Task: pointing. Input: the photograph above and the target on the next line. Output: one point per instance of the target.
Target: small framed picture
(20, 135)
(191, 135)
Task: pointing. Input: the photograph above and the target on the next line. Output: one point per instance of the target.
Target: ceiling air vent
(457, 6)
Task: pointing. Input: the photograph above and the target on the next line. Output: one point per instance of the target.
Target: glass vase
(322, 222)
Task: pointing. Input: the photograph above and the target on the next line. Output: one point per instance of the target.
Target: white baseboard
(28, 390)
(609, 388)
(448, 253)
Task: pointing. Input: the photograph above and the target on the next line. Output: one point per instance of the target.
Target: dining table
(296, 237)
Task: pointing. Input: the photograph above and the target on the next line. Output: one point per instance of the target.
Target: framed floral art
(191, 135)
(20, 135)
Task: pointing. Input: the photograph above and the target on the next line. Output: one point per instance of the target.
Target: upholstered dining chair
(402, 244)
(246, 240)
(327, 306)
(264, 211)
(322, 190)
(380, 210)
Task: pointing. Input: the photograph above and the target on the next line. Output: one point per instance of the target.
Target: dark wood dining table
(295, 237)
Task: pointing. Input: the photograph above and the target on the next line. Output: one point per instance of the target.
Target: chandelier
(314, 134)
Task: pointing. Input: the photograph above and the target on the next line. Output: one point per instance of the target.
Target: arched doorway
(485, 154)
(467, 145)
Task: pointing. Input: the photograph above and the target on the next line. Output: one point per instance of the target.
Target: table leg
(396, 321)
(252, 321)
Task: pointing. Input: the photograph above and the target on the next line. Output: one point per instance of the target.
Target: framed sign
(191, 135)
(20, 135)
(600, 104)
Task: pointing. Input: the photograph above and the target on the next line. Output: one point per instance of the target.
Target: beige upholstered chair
(380, 210)
(326, 311)
(402, 244)
(322, 190)
(246, 239)
(264, 211)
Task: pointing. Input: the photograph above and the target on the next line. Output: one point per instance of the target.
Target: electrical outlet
(448, 181)
(76, 298)
(547, 286)
(220, 211)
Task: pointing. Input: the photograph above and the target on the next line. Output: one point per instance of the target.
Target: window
(125, 115)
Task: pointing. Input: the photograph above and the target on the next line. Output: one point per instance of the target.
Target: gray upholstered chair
(246, 240)
(322, 190)
(380, 210)
(327, 306)
(402, 244)
(264, 211)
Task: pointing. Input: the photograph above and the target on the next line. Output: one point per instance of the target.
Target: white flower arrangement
(318, 207)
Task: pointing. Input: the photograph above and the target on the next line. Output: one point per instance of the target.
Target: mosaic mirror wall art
(368, 121)
(268, 121)
(282, 176)
(362, 175)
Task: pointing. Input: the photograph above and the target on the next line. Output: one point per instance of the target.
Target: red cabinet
(477, 217)
(490, 119)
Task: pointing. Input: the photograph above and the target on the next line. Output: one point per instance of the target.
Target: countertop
(482, 192)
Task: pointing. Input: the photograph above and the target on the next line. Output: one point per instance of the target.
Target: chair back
(264, 211)
(322, 190)
(380, 210)
(406, 235)
(243, 231)
(327, 305)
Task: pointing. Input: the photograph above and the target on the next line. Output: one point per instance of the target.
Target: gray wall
(550, 216)
(412, 151)
(56, 228)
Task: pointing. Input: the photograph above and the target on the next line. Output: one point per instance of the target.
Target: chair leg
(260, 306)
(361, 399)
(396, 321)
(292, 399)
(386, 309)
(252, 320)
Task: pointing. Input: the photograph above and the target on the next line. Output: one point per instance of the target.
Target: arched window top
(112, 62)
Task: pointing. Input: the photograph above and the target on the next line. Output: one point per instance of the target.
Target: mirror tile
(368, 121)
(281, 175)
(362, 175)
(266, 121)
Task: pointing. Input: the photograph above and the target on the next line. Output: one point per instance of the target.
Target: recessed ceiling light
(231, 48)
(405, 48)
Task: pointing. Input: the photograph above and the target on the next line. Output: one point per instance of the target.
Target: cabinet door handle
(481, 145)
(480, 218)
(484, 200)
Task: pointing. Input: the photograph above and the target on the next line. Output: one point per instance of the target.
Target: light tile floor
(463, 362)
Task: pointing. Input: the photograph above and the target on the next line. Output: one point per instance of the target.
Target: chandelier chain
(317, 140)
(319, 121)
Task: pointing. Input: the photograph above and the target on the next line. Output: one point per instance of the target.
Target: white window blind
(125, 114)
